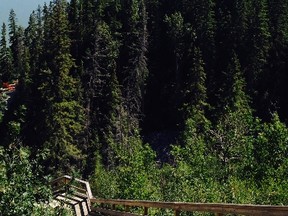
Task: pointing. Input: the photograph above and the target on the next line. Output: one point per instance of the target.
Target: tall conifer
(16, 40)
(132, 71)
(259, 43)
(63, 113)
(100, 65)
(231, 137)
(275, 87)
(6, 60)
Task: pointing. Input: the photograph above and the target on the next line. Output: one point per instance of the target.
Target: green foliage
(103, 182)
(133, 178)
(21, 191)
(102, 95)
(175, 24)
(271, 150)
(6, 61)
(259, 40)
(201, 15)
(83, 68)
(132, 56)
(63, 113)
(232, 144)
(195, 91)
(3, 105)
(273, 191)
(16, 40)
(137, 172)
(181, 183)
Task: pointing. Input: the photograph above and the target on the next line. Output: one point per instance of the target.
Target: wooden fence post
(127, 208)
(176, 213)
(145, 210)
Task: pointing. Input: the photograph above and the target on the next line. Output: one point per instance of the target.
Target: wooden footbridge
(77, 194)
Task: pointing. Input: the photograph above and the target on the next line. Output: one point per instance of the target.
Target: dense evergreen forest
(182, 100)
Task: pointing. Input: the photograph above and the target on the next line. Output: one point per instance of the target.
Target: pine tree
(195, 91)
(63, 114)
(12, 27)
(232, 133)
(88, 21)
(232, 29)
(16, 40)
(200, 14)
(33, 131)
(194, 137)
(13, 62)
(76, 28)
(232, 26)
(259, 43)
(173, 77)
(278, 20)
(132, 70)
(5, 57)
(275, 79)
(34, 39)
(194, 87)
(99, 67)
(175, 31)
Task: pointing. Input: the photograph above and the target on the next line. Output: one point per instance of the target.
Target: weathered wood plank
(112, 212)
(204, 207)
(145, 211)
(82, 190)
(176, 213)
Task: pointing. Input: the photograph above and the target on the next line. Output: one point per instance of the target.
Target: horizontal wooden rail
(81, 188)
(218, 209)
(65, 180)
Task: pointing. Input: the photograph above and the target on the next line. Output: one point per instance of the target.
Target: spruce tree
(232, 25)
(231, 136)
(34, 39)
(195, 91)
(278, 10)
(99, 67)
(16, 40)
(75, 14)
(173, 77)
(175, 31)
(6, 60)
(63, 114)
(132, 70)
(232, 29)
(12, 27)
(88, 20)
(196, 126)
(275, 79)
(259, 42)
(33, 131)
(200, 14)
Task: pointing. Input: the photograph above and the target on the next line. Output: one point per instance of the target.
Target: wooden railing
(66, 180)
(177, 207)
(112, 206)
(67, 183)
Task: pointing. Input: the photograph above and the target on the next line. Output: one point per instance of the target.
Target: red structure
(9, 86)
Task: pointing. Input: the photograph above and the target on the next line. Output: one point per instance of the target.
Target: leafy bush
(21, 191)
